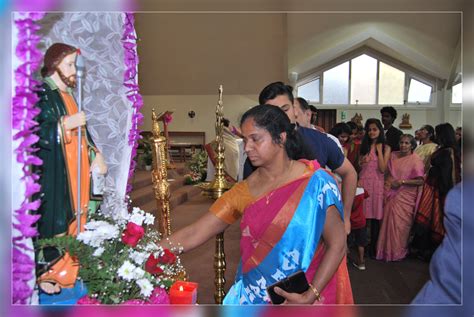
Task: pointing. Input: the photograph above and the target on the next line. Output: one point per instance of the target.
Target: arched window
(367, 77)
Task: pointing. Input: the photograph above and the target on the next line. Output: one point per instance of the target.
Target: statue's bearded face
(67, 70)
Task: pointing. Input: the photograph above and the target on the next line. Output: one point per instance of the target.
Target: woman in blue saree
(292, 218)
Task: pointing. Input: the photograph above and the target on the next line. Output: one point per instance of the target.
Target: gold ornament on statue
(215, 190)
(406, 125)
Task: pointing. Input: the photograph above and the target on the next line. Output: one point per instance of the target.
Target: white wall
(203, 105)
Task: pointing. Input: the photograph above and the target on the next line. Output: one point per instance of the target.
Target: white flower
(138, 273)
(96, 232)
(138, 257)
(145, 287)
(127, 271)
(137, 210)
(152, 247)
(137, 218)
(98, 251)
(149, 219)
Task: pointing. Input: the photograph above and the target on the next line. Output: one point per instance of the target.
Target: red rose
(151, 265)
(132, 234)
(168, 257)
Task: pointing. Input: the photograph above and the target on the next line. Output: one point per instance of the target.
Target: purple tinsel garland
(129, 41)
(23, 114)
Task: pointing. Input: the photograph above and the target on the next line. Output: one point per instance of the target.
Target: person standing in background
(392, 134)
(374, 155)
(314, 119)
(402, 189)
(303, 115)
(427, 145)
(444, 174)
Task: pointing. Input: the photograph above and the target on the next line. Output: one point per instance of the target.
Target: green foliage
(198, 168)
(146, 148)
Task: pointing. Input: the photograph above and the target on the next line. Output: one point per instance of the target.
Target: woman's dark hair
(366, 142)
(430, 131)
(352, 125)
(445, 135)
(442, 166)
(412, 140)
(275, 121)
(274, 90)
(340, 128)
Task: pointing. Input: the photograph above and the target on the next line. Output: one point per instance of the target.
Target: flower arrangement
(198, 168)
(120, 260)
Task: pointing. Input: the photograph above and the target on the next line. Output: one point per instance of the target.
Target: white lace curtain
(107, 109)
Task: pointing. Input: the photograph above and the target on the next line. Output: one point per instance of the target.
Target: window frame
(409, 71)
(455, 104)
(306, 81)
(409, 77)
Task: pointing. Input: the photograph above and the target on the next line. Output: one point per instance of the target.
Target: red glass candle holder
(184, 293)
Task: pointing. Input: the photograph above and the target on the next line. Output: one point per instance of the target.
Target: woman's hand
(307, 297)
(396, 184)
(378, 148)
(364, 159)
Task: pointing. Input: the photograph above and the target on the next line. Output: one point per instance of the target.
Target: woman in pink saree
(292, 218)
(402, 189)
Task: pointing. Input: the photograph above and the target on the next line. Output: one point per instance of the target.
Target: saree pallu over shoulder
(285, 238)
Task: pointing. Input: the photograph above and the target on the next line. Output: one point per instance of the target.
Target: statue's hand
(75, 120)
(99, 162)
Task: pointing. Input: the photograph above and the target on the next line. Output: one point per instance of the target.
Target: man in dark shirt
(325, 150)
(392, 134)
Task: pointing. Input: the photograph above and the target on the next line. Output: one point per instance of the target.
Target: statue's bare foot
(50, 287)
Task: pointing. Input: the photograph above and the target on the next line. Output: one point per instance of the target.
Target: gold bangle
(315, 291)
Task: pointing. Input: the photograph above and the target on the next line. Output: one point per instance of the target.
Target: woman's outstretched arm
(195, 234)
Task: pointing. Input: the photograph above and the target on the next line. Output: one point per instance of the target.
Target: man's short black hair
(303, 104)
(313, 108)
(274, 90)
(391, 110)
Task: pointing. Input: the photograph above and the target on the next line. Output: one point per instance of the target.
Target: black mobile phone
(295, 283)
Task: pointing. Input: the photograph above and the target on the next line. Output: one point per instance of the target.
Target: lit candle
(183, 293)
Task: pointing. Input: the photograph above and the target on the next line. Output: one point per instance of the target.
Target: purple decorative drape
(130, 81)
(23, 114)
